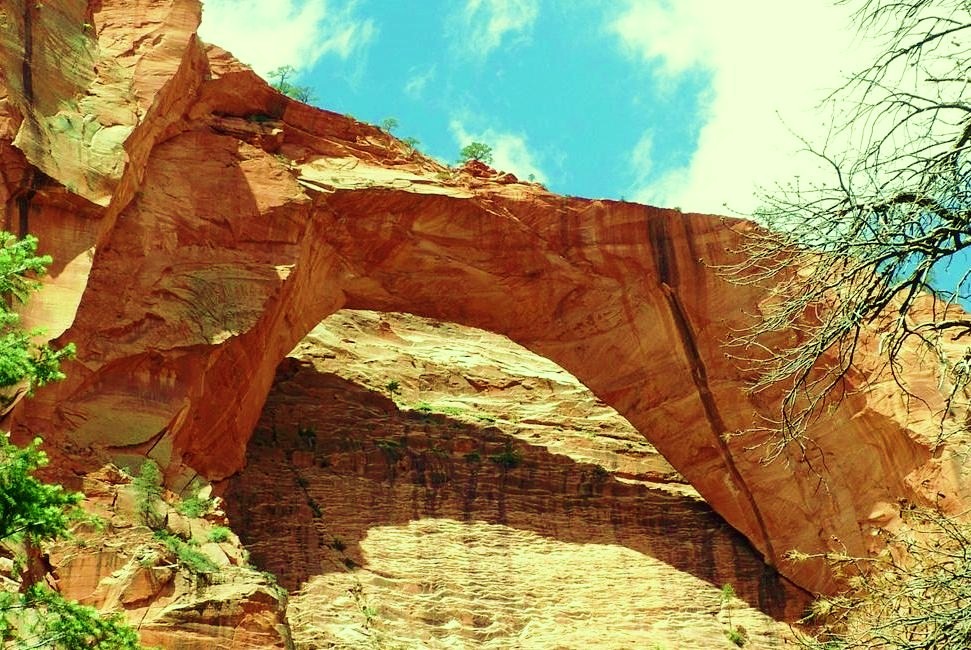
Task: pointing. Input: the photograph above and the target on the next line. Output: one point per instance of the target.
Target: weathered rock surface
(202, 224)
(492, 503)
(123, 566)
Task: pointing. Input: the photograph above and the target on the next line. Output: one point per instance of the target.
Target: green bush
(195, 506)
(219, 534)
(392, 449)
(451, 410)
(411, 143)
(28, 507)
(476, 151)
(508, 458)
(186, 554)
(42, 618)
(282, 83)
(148, 494)
(737, 636)
(21, 359)
(32, 512)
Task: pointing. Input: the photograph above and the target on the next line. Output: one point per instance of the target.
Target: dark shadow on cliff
(331, 459)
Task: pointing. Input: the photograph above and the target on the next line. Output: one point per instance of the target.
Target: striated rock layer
(202, 224)
(492, 503)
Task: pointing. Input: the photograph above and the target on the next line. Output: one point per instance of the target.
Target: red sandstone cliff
(201, 224)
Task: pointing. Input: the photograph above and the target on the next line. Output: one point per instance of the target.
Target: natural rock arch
(236, 219)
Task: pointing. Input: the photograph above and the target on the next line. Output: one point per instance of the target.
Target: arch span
(241, 219)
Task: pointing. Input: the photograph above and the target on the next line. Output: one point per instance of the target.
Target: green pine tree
(33, 512)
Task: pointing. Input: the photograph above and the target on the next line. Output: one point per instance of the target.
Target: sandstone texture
(202, 224)
(486, 499)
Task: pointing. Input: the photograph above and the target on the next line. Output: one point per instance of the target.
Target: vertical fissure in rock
(23, 212)
(27, 79)
(700, 377)
(667, 266)
(667, 271)
(27, 72)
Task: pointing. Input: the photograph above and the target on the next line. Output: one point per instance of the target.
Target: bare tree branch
(853, 261)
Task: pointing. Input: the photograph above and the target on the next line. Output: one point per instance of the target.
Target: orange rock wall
(122, 567)
(203, 224)
(334, 464)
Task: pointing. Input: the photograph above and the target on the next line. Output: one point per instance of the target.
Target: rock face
(202, 224)
(485, 500)
(124, 567)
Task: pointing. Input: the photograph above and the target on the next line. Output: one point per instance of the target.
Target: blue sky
(679, 103)
(671, 102)
(568, 119)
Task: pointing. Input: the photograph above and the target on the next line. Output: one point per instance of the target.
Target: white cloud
(642, 156)
(647, 188)
(510, 151)
(482, 25)
(267, 35)
(415, 86)
(771, 64)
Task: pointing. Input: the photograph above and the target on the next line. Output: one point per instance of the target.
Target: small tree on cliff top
(476, 151)
(281, 81)
(32, 512)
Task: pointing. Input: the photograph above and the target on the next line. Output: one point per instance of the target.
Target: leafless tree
(856, 258)
(862, 250)
(915, 595)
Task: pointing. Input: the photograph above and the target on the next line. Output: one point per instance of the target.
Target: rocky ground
(418, 484)
(180, 576)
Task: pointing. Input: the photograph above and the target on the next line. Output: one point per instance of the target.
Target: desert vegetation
(282, 80)
(32, 512)
(874, 235)
(858, 276)
(479, 151)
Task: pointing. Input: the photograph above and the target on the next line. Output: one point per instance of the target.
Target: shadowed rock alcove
(464, 490)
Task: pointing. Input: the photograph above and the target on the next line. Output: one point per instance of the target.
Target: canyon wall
(466, 493)
(201, 224)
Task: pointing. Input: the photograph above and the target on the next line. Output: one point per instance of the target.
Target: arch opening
(428, 469)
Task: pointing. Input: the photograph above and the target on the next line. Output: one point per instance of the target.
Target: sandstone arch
(233, 220)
